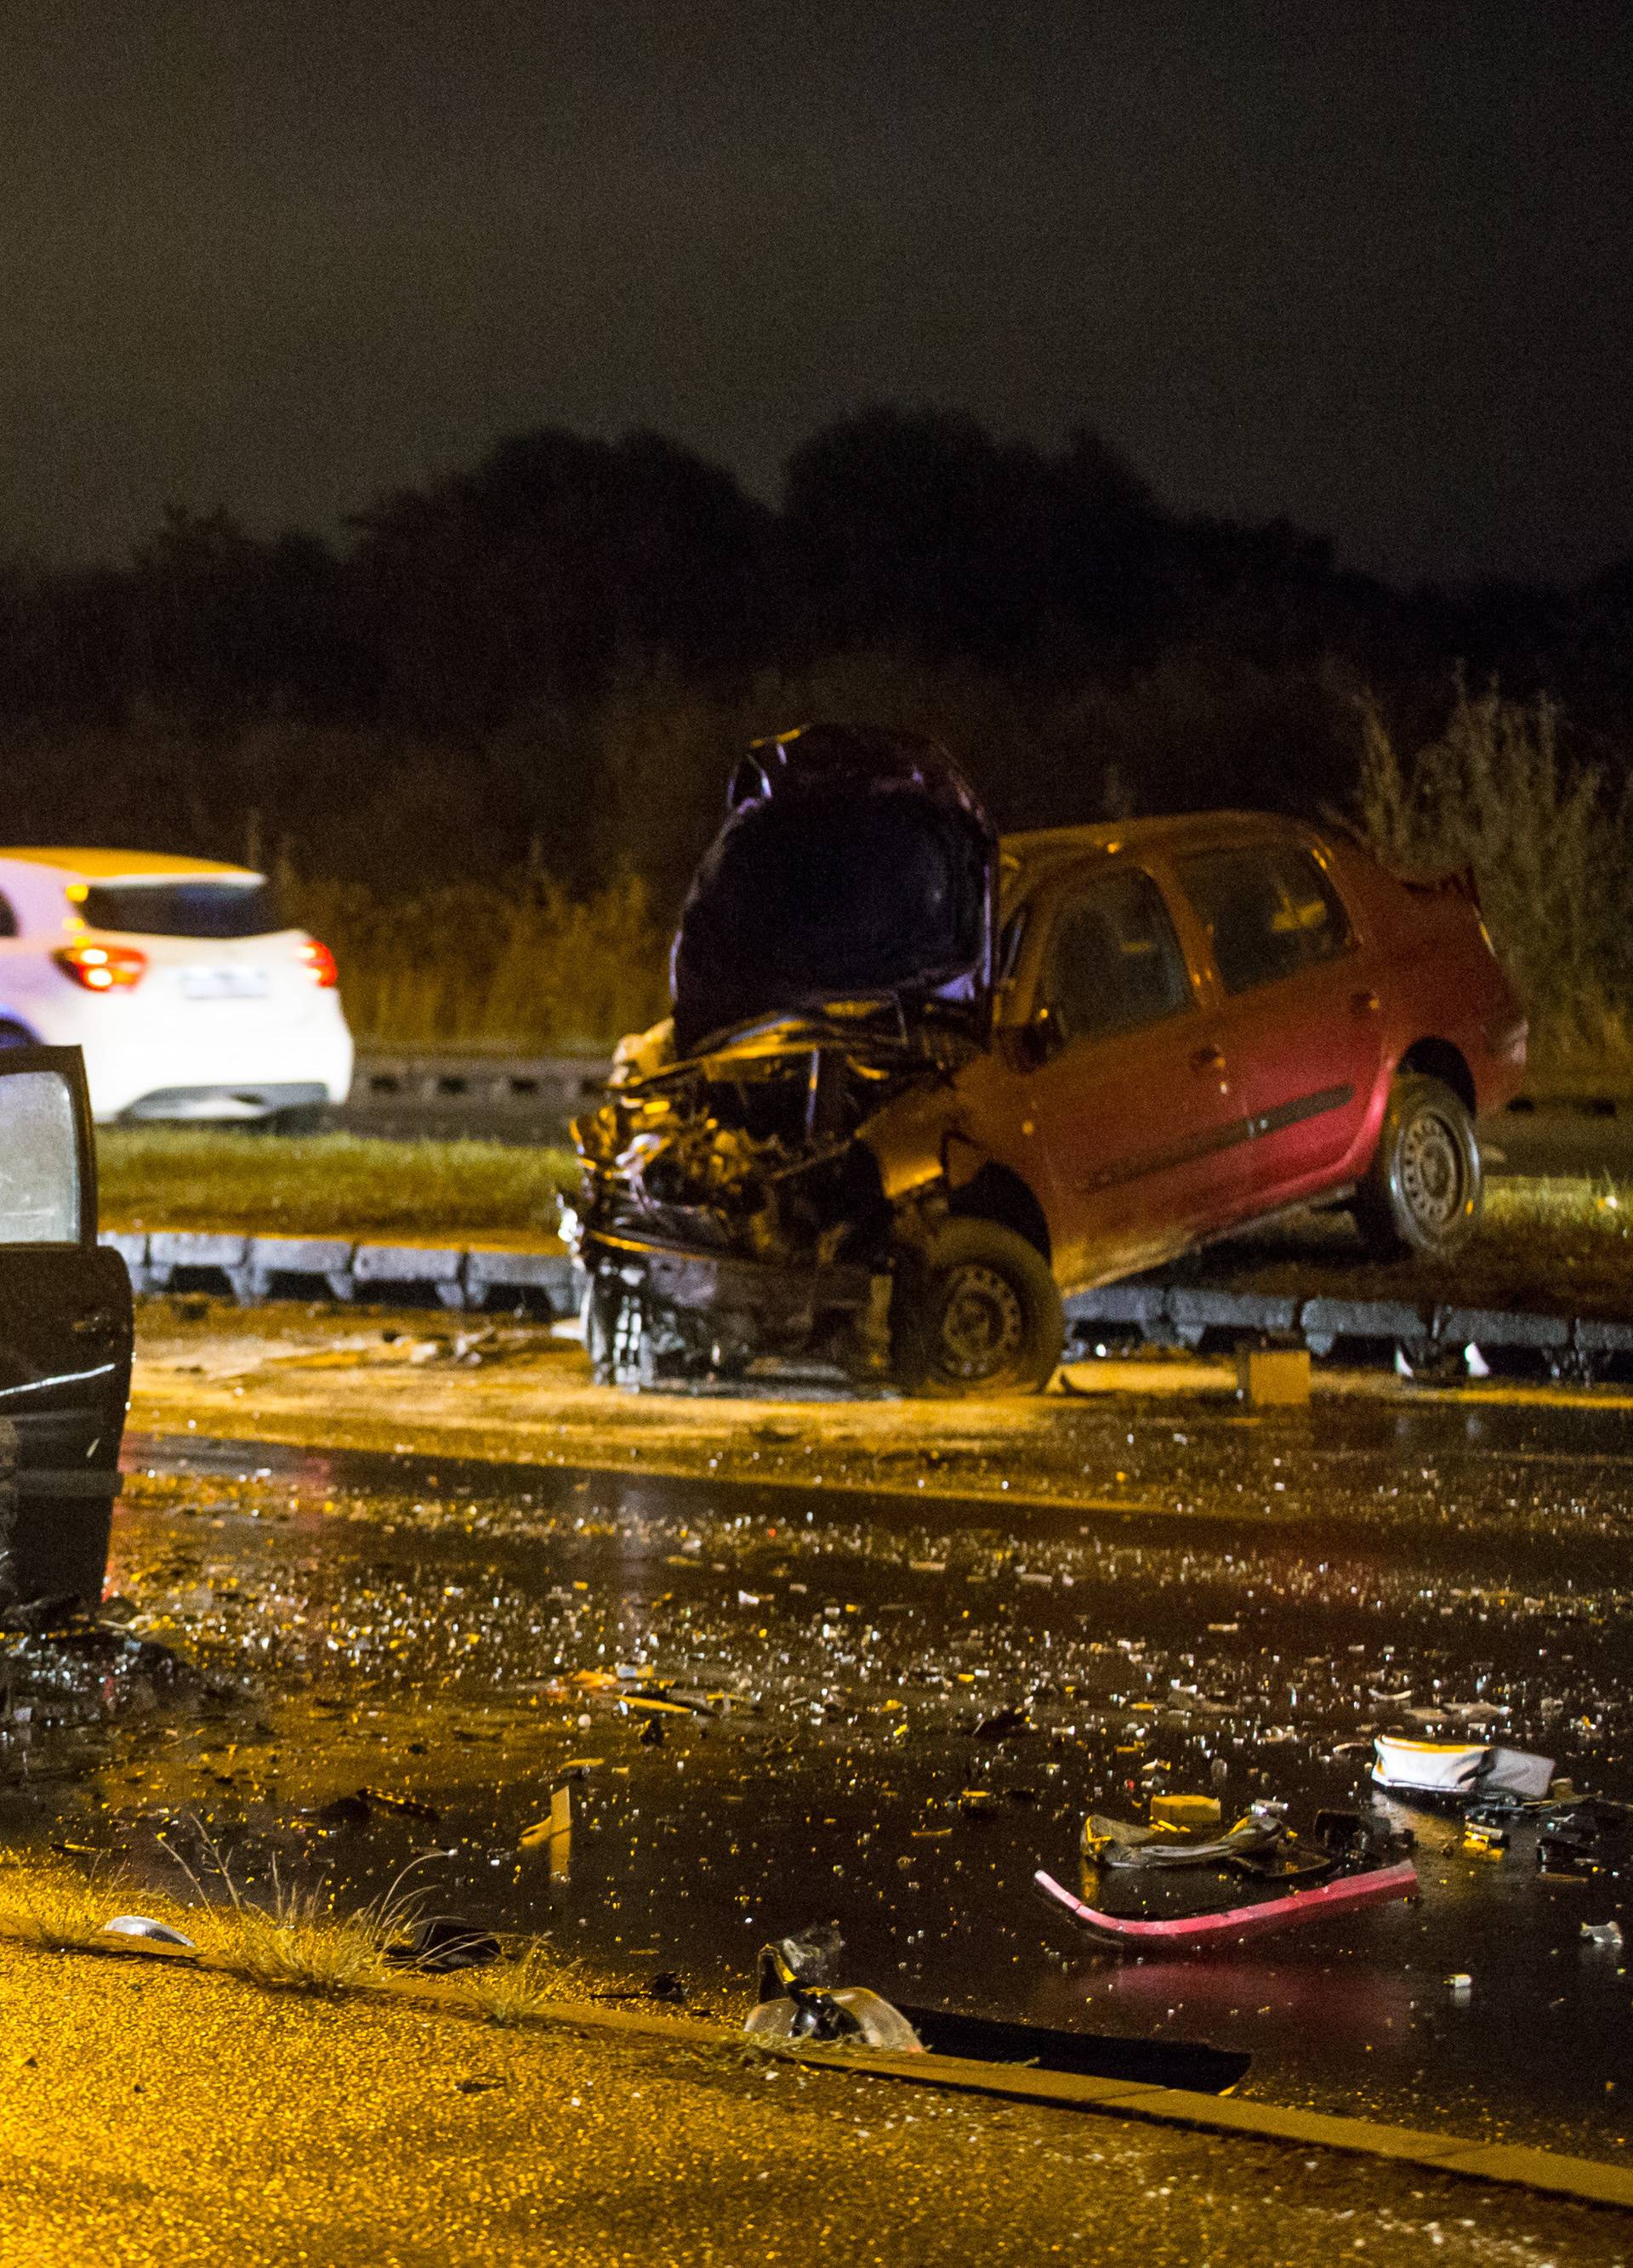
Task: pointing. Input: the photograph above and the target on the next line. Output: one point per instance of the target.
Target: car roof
(130, 866)
(1040, 849)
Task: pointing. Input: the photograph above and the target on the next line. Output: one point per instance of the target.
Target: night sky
(1368, 265)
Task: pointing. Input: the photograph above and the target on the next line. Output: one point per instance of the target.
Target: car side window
(1269, 911)
(1114, 962)
(39, 1160)
(8, 917)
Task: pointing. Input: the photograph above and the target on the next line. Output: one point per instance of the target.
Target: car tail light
(102, 968)
(320, 964)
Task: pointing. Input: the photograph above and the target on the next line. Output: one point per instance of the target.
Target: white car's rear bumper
(224, 1079)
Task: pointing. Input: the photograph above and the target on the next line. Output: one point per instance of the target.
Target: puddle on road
(424, 1631)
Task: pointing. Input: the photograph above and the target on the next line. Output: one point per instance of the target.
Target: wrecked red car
(920, 1084)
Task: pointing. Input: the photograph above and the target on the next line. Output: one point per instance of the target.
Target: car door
(65, 1334)
(1302, 1026)
(1130, 1096)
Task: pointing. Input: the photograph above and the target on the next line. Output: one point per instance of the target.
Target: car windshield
(206, 908)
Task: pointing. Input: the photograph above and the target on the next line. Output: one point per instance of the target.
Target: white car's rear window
(184, 908)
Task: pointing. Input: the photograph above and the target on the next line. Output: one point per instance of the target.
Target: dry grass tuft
(520, 1985)
(297, 1938)
(60, 1908)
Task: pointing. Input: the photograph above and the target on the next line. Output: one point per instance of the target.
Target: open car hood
(855, 863)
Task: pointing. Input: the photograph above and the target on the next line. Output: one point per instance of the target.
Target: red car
(919, 1083)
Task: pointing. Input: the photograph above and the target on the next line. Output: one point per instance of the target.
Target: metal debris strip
(1439, 1342)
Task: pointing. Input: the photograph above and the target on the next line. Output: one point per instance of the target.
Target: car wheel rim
(982, 1325)
(1432, 1177)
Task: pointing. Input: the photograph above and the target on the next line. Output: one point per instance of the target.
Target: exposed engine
(750, 1154)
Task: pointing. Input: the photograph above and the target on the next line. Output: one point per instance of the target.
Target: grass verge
(323, 1184)
(1549, 1244)
(1560, 1246)
(294, 1940)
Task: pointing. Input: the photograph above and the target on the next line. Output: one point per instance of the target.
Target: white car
(190, 994)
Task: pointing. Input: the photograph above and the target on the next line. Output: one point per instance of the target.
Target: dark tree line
(550, 656)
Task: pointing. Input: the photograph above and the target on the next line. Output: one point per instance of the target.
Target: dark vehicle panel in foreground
(919, 1084)
(65, 1334)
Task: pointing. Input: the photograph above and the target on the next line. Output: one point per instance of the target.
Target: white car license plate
(224, 983)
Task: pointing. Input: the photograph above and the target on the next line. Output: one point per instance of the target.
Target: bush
(511, 963)
(1549, 843)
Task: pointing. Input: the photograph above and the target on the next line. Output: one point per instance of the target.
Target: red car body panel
(1141, 1143)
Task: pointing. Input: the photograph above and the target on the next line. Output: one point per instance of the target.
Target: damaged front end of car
(744, 1191)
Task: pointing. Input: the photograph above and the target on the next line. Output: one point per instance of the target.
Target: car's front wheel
(977, 1312)
(1424, 1190)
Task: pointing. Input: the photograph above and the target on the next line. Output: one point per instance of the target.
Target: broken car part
(1190, 1933)
(1467, 1771)
(794, 2006)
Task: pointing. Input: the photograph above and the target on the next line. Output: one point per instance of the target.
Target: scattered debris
(1186, 1811)
(142, 1926)
(1588, 1835)
(1005, 1725)
(1469, 1771)
(1484, 1842)
(557, 1828)
(1195, 1932)
(1117, 1843)
(439, 1944)
(1606, 1933)
(797, 2003)
(1096, 2055)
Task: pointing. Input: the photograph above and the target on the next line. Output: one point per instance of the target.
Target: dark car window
(1114, 962)
(1268, 912)
(201, 908)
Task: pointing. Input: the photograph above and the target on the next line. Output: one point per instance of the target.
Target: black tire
(15, 1035)
(977, 1313)
(1424, 1189)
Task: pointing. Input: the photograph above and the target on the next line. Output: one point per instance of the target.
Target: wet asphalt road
(446, 1638)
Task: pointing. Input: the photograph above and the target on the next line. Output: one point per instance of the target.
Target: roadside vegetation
(1559, 1247)
(290, 1939)
(324, 1185)
(1549, 843)
(1549, 1244)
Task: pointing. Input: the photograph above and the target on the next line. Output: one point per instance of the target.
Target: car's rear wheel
(15, 1035)
(977, 1313)
(1424, 1189)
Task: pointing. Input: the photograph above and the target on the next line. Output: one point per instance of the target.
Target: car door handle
(1209, 1058)
(1365, 1002)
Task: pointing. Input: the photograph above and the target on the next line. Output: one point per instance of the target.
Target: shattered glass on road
(765, 1707)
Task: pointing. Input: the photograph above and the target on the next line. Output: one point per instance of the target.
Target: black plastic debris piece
(1590, 1836)
(1005, 1725)
(666, 1986)
(439, 1945)
(1366, 1835)
(651, 1734)
(411, 1807)
(1148, 2063)
(346, 1811)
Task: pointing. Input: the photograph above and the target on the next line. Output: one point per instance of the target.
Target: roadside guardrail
(488, 1094)
(484, 1094)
